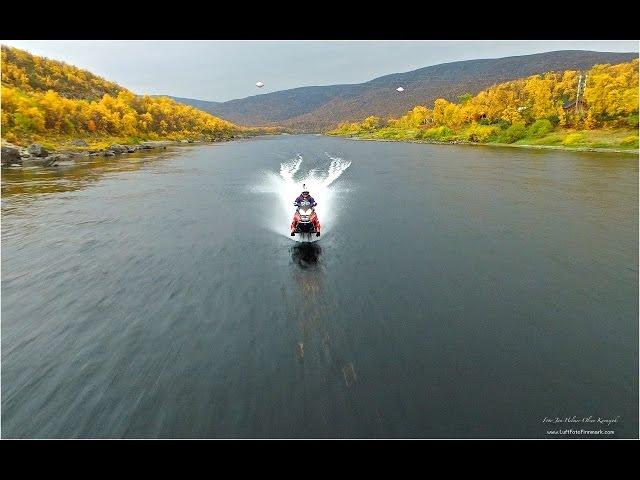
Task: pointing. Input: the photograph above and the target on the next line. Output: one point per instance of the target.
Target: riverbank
(55, 152)
(512, 145)
(38, 155)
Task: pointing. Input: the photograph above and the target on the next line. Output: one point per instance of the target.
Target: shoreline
(18, 156)
(37, 155)
(534, 147)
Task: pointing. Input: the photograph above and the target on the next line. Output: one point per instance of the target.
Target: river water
(456, 291)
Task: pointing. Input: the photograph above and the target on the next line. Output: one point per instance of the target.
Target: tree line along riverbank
(595, 110)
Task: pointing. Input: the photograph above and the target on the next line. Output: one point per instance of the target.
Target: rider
(305, 197)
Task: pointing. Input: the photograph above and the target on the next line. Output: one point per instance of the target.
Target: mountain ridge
(317, 108)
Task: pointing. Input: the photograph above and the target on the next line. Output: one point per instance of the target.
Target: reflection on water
(323, 360)
(24, 183)
(310, 298)
(306, 255)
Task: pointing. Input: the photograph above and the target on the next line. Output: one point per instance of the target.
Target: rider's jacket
(308, 199)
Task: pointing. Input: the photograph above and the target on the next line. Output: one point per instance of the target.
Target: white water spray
(287, 185)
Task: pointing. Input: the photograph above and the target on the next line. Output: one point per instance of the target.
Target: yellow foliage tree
(612, 90)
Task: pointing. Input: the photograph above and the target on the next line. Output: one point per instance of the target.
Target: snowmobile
(305, 222)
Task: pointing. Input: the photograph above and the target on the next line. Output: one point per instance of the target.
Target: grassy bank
(567, 139)
(89, 143)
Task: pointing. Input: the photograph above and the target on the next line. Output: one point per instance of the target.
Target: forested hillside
(320, 108)
(31, 73)
(47, 99)
(535, 107)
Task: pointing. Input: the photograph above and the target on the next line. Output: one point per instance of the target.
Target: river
(455, 291)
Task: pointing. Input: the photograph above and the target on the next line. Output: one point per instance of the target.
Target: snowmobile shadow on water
(320, 350)
(306, 254)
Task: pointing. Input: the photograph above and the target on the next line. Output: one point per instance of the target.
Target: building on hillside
(577, 105)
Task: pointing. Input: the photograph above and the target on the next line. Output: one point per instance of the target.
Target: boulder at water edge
(117, 148)
(10, 154)
(37, 150)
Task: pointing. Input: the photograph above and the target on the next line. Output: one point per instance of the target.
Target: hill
(319, 108)
(32, 73)
(47, 100)
(545, 110)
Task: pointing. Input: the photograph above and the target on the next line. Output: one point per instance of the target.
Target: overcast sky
(223, 70)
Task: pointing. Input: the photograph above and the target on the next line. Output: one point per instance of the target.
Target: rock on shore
(33, 155)
(10, 154)
(117, 148)
(36, 150)
(36, 154)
